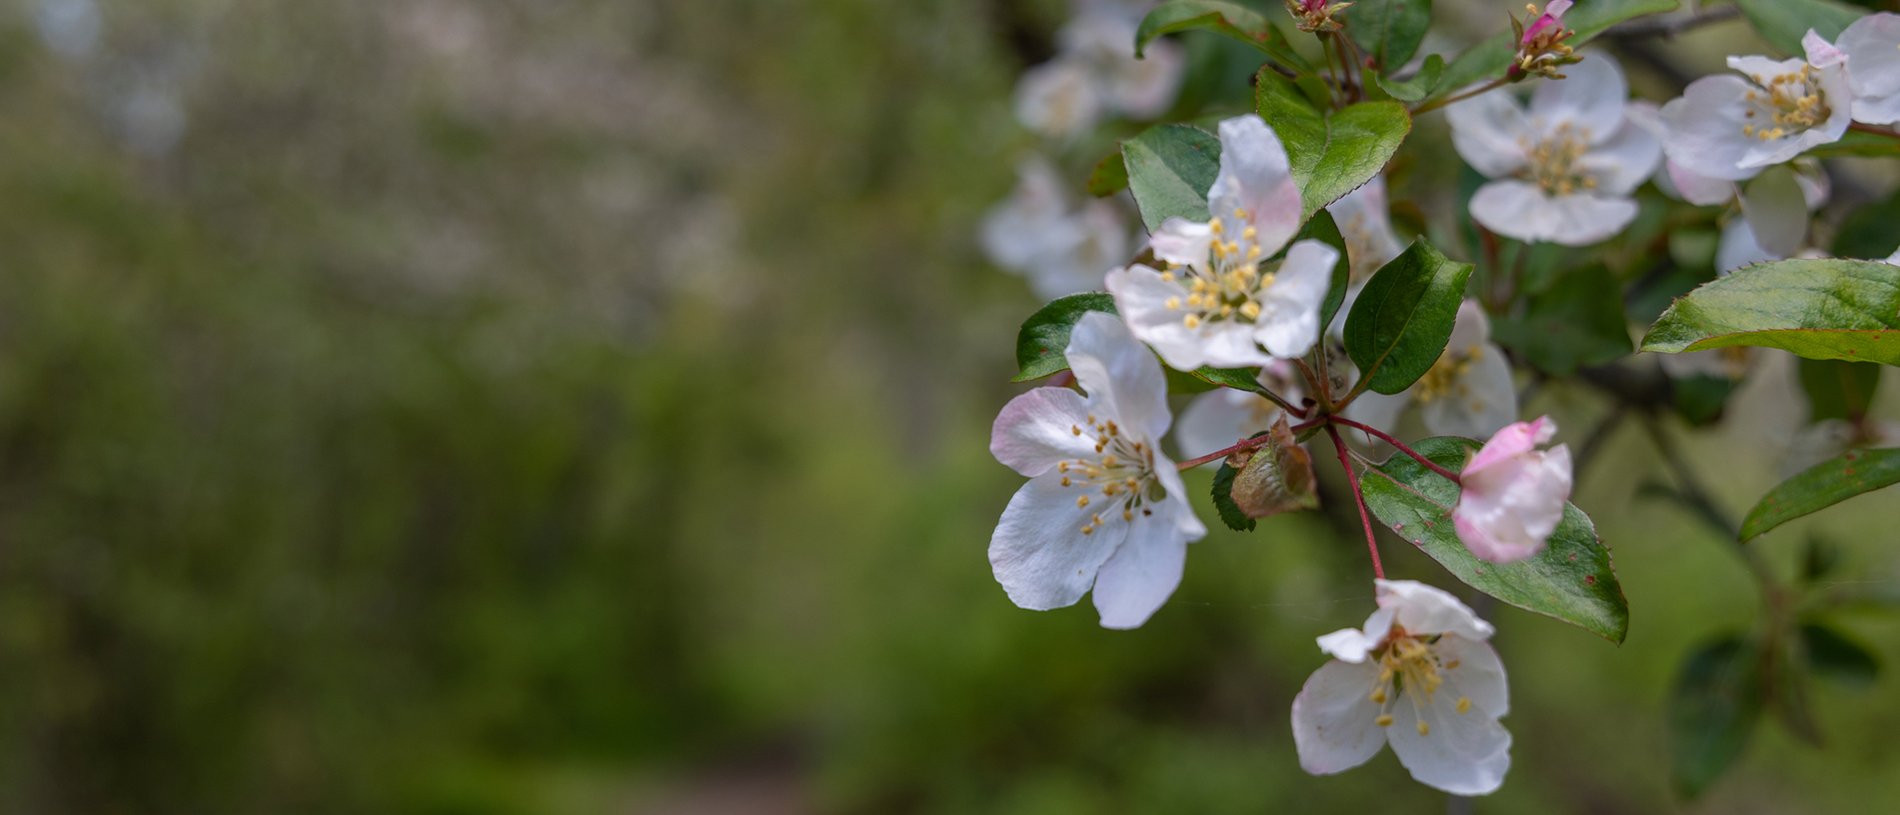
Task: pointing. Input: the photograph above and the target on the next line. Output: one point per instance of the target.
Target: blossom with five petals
(1731, 127)
(1104, 508)
(1564, 169)
(1420, 676)
(1513, 493)
(1222, 297)
(1095, 74)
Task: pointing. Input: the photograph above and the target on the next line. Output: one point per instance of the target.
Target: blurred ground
(548, 407)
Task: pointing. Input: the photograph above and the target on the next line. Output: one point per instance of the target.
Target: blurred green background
(581, 406)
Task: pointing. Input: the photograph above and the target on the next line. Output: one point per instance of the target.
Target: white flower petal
(1355, 644)
(1038, 552)
(1776, 211)
(1145, 570)
(1218, 418)
(1486, 131)
(1036, 430)
(1471, 328)
(1463, 754)
(1872, 46)
(1334, 723)
(1123, 380)
(1289, 309)
(1182, 242)
(1623, 161)
(1141, 296)
(1256, 176)
(1481, 402)
(1426, 609)
(1590, 98)
(1705, 128)
(1365, 221)
(1473, 670)
(1700, 190)
(1058, 99)
(1518, 209)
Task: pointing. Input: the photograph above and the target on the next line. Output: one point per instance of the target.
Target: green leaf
(1044, 337)
(1170, 167)
(1857, 144)
(1491, 57)
(1420, 86)
(1230, 512)
(1819, 309)
(1389, 30)
(1717, 700)
(1838, 390)
(1110, 176)
(1571, 580)
(1483, 62)
(1577, 321)
(1833, 656)
(1868, 232)
(1245, 379)
(1236, 21)
(1783, 22)
(1700, 399)
(1325, 230)
(1822, 486)
(1331, 154)
(1399, 325)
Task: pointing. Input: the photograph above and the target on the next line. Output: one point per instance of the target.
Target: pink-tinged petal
(1776, 211)
(1218, 418)
(1472, 670)
(1489, 132)
(1700, 190)
(1038, 552)
(1144, 571)
(1508, 511)
(1423, 609)
(1482, 401)
(1036, 431)
(1511, 442)
(1334, 722)
(1182, 242)
(1122, 378)
(1820, 52)
(1464, 753)
(1355, 644)
(1705, 128)
(1255, 176)
(1589, 100)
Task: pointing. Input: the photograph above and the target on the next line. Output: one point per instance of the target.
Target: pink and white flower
(1222, 298)
(1468, 392)
(1872, 46)
(1731, 127)
(1565, 168)
(1104, 509)
(1419, 676)
(1060, 245)
(1514, 494)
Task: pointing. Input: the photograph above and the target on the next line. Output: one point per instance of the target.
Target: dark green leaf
(1110, 176)
(1789, 691)
(1490, 58)
(1713, 711)
(1246, 379)
(1399, 325)
(1571, 580)
(1170, 167)
(1044, 337)
(1325, 230)
(1784, 22)
(1835, 657)
(1819, 309)
(1331, 154)
(1236, 21)
(1859, 144)
(1389, 30)
(1420, 86)
(1577, 321)
(1838, 390)
(1869, 231)
(1230, 512)
(1822, 486)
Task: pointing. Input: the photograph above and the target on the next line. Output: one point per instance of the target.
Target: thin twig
(1440, 102)
(1397, 445)
(1365, 518)
(1669, 27)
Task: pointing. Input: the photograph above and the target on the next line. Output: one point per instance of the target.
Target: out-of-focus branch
(1669, 26)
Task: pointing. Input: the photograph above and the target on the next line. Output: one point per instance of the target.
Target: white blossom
(1060, 245)
(1513, 493)
(1468, 392)
(1222, 298)
(1095, 74)
(1731, 127)
(1419, 676)
(1872, 48)
(1365, 221)
(1564, 169)
(1104, 508)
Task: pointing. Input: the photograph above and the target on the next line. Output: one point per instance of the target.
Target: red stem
(1245, 444)
(1372, 544)
(1400, 446)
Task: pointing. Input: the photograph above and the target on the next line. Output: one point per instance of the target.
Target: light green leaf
(1044, 337)
(1857, 144)
(1420, 86)
(1230, 513)
(1331, 153)
(1819, 309)
(1717, 700)
(1245, 379)
(1170, 167)
(1571, 580)
(1577, 321)
(1784, 22)
(1233, 20)
(1399, 325)
(1389, 30)
(1822, 486)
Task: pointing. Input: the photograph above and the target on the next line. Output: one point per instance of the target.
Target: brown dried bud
(1274, 478)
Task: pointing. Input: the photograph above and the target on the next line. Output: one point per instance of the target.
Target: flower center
(1447, 376)
(1231, 283)
(1785, 105)
(1553, 161)
(1411, 664)
(1121, 472)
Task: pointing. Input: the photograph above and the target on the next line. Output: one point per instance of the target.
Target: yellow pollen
(1250, 310)
(1253, 252)
(1378, 695)
(1241, 213)
(1450, 665)
(1191, 321)
(1108, 461)
(1167, 277)
(1424, 729)
(1065, 481)
(1249, 233)
(1215, 226)
(1088, 530)
(1384, 720)
(1076, 429)
(1174, 303)
(1081, 501)
(1464, 704)
(1128, 514)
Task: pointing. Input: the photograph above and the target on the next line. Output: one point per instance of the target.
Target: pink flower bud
(1553, 16)
(1514, 493)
